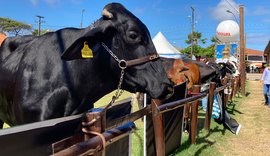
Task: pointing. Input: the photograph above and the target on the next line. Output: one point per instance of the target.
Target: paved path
(254, 136)
(254, 76)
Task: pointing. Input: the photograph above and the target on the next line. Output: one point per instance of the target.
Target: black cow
(10, 45)
(222, 69)
(207, 72)
(35, 84)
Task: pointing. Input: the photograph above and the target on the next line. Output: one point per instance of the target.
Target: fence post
(194, 116)
(210, 101)
(236, 86)
(98, 125)
(232, 87)
(224, 82)
(158, 128)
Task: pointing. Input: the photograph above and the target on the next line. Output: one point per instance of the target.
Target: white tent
(164, 48)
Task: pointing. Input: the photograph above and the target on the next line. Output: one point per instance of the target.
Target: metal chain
(119, 91)
(109, 50)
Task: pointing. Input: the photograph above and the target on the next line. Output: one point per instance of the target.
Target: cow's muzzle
(167, 93)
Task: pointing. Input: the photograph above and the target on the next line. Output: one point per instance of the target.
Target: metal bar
(90, 146)
(131, 117)
(220, 88)
(180, 103)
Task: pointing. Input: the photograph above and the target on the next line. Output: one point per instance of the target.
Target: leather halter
(129, 63)
(123, 64)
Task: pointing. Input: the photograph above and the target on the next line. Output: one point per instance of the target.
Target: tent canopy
(164, 48)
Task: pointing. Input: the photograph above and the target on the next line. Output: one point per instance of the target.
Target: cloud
(266, 20)
(258, 38)
(139, 10)
(52, 2)
(156, 6)
(76, 1)
(220, 13)
(34, 2)
(49, 2)
(260, 10)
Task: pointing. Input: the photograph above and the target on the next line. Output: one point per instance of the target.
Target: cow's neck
(93, 81)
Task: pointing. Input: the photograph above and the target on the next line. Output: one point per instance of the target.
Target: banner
(232, 55)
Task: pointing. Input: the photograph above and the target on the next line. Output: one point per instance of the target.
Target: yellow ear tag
(86, 51)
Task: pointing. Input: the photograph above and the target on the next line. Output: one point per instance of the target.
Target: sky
(171, 17)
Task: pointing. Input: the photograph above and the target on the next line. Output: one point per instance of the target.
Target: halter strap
(129, 63)
(123, 64)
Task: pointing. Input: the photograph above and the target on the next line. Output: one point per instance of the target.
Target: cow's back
(207, 73)
(11, 44)
(32, 75)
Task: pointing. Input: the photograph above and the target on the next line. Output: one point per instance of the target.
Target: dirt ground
(254, 116)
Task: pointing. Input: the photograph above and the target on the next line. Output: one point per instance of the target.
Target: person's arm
(262, 78)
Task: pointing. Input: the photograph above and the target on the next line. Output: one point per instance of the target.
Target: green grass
(205, 142)
(137, 136)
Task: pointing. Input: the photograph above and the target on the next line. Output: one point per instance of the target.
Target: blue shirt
(266, 76)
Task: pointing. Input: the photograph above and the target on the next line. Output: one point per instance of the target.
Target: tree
(12, 26)
(210, 51)
(197, 39)
(42, 32)
(215, 40)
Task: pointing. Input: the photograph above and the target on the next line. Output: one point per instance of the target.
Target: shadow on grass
(205, 139)
(231, 108)
(247, 94)
(202, 140)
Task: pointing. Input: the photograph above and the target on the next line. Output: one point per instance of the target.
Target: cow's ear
(87, 42)
(81, 48)
(75, 50)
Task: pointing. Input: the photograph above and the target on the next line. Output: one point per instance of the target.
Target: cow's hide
(36, 84)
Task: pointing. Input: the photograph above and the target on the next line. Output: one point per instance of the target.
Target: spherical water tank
(228, 31)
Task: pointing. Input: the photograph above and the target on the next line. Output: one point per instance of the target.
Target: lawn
(205, 143)
(137, 136)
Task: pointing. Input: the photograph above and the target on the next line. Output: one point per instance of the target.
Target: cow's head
(128, 39)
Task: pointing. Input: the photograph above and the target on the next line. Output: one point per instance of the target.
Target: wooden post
(232, 87)
(209, 105)
(194, 116)
(224, 82)
(236, 84)
(98, 121)
(242, 50)
(158, 128)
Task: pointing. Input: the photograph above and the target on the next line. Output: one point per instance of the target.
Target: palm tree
(197, 38)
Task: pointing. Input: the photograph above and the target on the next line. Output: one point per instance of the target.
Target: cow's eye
(133, 36)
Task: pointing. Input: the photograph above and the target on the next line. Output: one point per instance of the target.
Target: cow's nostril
(170, 89)
(168, 92)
